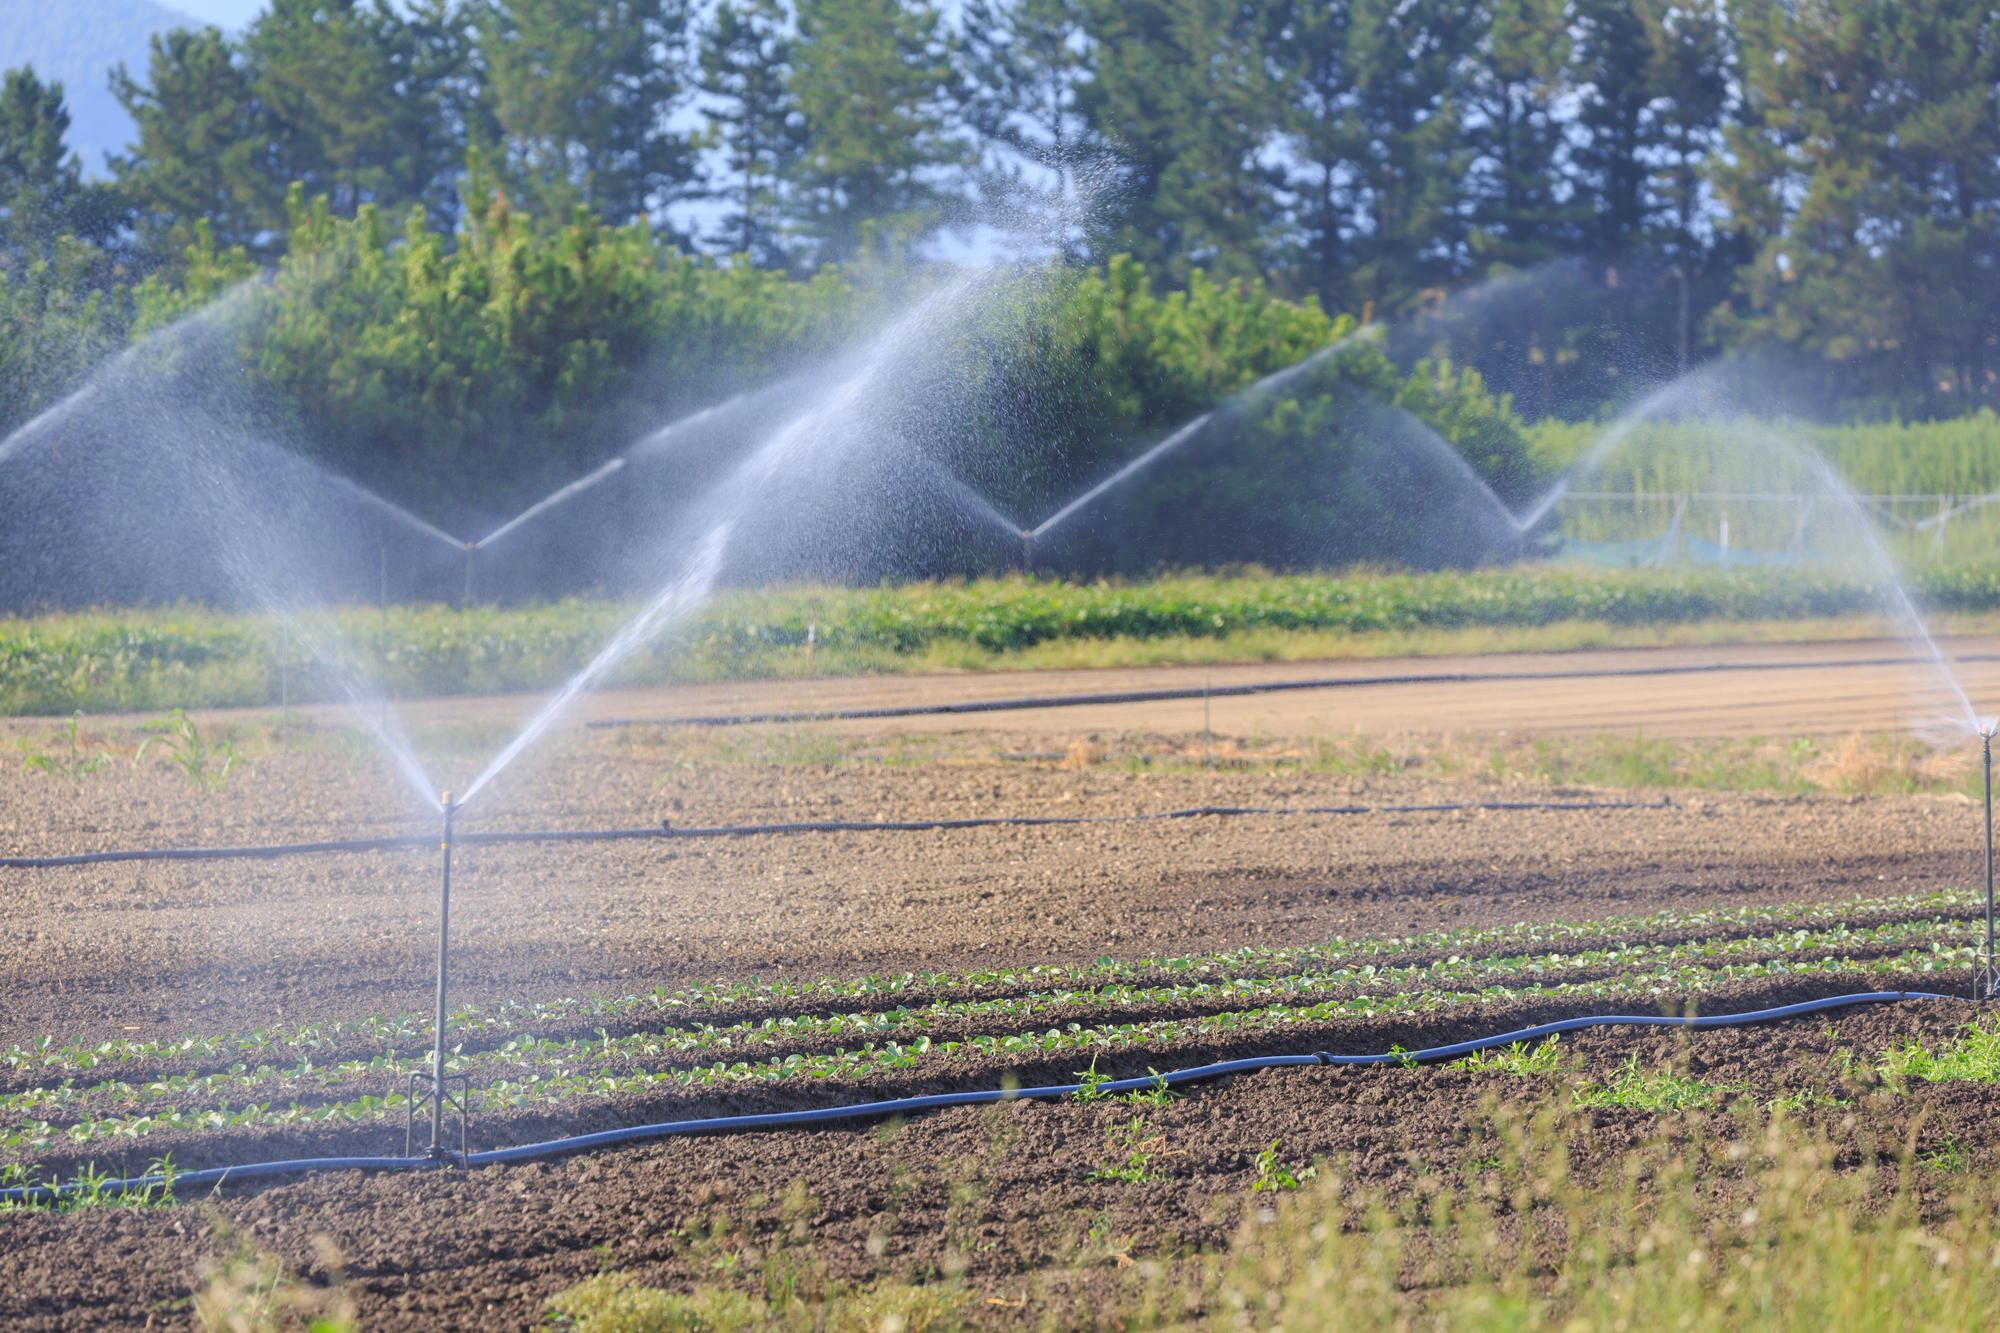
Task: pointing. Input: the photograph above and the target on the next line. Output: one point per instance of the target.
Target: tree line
(1573, 196)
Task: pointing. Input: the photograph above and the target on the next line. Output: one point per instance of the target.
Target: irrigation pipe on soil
(218, 1176)
(745, 830)
(1227, 691)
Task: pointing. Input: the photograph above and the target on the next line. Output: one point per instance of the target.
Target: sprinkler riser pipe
(443, 979)
(1987, 978)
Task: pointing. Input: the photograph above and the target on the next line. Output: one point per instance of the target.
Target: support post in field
(438, 1095)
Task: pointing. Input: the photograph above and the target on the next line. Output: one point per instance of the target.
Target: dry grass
(1712, 1222)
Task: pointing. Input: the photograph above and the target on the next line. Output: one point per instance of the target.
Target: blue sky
(223, 13)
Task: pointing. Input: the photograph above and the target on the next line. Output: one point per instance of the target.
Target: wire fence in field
(1649, 529)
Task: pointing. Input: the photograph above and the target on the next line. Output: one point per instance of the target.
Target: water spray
(438, 1094)
(549, 501)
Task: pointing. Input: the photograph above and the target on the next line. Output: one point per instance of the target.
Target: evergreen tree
(336, 79)
(1181, 91)
(1020, 65)
(204, 150)
(1616, 94)
(745, 69)
(1689, 75)
(1523, 210)
(872, 79)
(42, 191)
(1865, 165)
(583, 91)
(1377, 157)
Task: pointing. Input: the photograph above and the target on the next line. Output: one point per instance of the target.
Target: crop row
(530, 1072)
(1244, 972)
(188, 656)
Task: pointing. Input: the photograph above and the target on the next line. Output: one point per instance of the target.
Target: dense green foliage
(1290, 476)
(189, 656)
(1566, 155)
(504, 364)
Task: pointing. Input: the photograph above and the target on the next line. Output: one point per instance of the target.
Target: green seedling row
(1239, 968)
(535, 1086)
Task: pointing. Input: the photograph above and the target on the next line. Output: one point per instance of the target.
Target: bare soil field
(238, 1011)
(155, 948)
(1820, 688)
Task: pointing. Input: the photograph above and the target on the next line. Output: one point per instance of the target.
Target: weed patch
(1650, 1090)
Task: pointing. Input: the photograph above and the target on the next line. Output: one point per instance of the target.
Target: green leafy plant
(1139, 1144)
(207, 767)
(1157, 1095)
(1974, 1057)
(1545, 1058)
(1949, 1158)
(1091, 1081)
(1273, 1174)
(1649, 1090)
(77, 761)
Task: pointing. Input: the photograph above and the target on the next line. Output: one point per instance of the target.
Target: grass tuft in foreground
(1712, 1223)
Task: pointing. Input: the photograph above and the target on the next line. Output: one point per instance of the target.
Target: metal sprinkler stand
(1988, 985)
(1028, 552)
(438, 1094)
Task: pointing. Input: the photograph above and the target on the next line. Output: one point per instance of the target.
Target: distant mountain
(79, 41)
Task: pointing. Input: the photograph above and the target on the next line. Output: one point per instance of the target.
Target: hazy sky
(226, 13)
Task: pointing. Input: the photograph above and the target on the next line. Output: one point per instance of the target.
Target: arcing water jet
(577, 487)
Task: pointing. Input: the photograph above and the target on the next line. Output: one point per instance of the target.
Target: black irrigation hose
(1229, 691)
(817, 826)
(217, 1176)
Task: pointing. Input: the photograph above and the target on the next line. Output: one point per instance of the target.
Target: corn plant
(207, 767)
(78, 762)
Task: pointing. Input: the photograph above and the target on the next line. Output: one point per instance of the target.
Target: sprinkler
(1028, 551)
(1989, 975)
(438, 1095)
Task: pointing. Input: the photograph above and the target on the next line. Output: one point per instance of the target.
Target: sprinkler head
(444, 799)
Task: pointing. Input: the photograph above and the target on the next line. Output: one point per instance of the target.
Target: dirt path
(1796, 689)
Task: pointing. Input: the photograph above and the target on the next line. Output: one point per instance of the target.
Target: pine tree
(583, 91)
(1517, 78)
(1377, 158)
(204, 149)
(1655, 82)
(1020, 65)
(745, 70)
(1865, 166)
(1689, 74)
(872, 81)
(42, 191)
(1180, 90)
(348, 116)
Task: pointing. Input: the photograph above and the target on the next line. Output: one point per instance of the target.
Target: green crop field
(1944, 462)
(187, 656)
